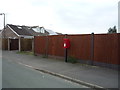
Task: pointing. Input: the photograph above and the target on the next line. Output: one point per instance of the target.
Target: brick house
(16, 33)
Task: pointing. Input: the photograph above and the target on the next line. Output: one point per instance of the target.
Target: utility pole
(3, 23)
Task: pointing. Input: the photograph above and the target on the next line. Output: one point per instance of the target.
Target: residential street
(92, 75)
(71, 44)
(19, 76)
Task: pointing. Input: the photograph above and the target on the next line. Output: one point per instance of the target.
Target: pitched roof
(32, 32)
(19, 30)
(24, 30)
(51, 32)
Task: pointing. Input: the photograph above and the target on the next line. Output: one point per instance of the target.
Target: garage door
(14, 44)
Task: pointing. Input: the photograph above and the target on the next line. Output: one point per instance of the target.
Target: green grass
(25, 52)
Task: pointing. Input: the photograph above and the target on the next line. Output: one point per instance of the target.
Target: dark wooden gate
(14, 44)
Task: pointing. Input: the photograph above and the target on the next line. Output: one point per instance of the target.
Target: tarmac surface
(20, 76)
(93, 76)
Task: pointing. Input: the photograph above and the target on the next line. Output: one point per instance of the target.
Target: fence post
(46, 51)
(19, 44)
(92, 48)
(34, 45)
(8, 44)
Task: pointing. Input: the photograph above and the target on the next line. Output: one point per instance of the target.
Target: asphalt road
(15, 75)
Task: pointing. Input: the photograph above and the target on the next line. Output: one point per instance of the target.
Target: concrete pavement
(86, 74)
(19, 76)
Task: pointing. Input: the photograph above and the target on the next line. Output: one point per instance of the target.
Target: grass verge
(25, 52)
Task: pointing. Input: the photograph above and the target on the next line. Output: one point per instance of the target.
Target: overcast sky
(65, 16)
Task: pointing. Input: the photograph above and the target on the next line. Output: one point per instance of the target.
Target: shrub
(72, 59)
(44, 56)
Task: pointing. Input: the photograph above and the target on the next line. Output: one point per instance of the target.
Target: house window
(42, 30)
(36, 29)
(19, 27)
(39, 29)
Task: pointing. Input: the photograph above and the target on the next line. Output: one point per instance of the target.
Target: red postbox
(66, 43)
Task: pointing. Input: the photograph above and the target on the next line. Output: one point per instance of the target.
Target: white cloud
(66, 16)
(84, 14)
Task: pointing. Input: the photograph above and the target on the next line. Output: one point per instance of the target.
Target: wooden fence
(106, 48)
(26, 44)
(88, 48)
(4, 43)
